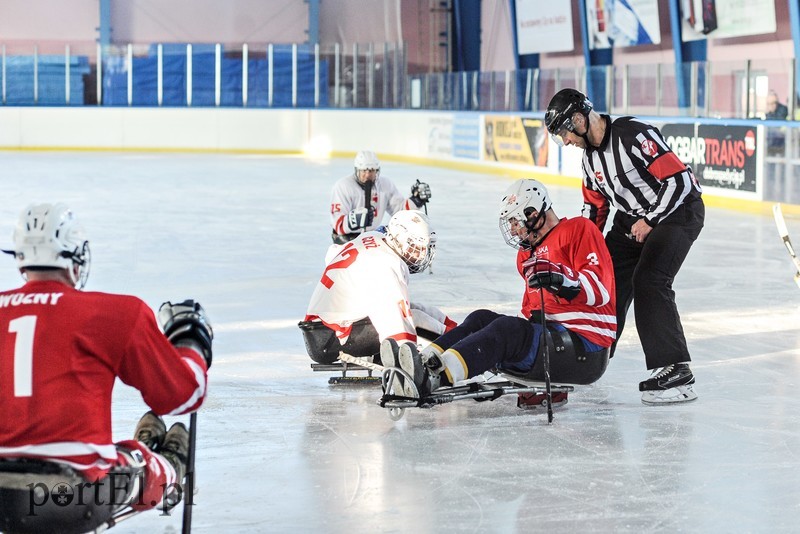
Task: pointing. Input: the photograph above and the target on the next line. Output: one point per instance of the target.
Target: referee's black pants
(644, 274)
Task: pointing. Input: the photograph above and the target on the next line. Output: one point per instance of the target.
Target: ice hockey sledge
(486, 389)
(360, 370)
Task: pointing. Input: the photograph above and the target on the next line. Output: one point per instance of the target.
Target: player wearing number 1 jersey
(61, 350)
(362, 296)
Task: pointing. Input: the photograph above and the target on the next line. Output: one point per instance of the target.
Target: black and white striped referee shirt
(634, 170)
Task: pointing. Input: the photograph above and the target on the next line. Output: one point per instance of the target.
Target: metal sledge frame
(127, 512)
(479, 391)
(347, 363)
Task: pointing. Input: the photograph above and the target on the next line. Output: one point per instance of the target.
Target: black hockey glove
(358, 218)
(185, 324)
(420, 193)
(553, 277)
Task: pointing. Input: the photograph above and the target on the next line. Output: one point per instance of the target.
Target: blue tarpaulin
(145, 79)
(52, 90)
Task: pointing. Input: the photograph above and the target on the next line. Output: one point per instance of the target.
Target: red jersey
(60, 352)
(578, 244)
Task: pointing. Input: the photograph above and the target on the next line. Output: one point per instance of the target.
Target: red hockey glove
(553, 277)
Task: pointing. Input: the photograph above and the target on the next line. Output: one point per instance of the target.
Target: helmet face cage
(514, 230)
(519, 202)
(366, 160)
(84, 261)
(410, 236)
(50, 236)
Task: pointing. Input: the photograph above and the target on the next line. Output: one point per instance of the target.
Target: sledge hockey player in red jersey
(61, 350)
(362, 297)
(660, 212)
(360, 200)
(567, 259)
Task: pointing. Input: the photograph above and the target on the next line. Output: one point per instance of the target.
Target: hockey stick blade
(362, 362)
(780, 222)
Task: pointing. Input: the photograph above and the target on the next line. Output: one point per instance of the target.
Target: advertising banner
(544, 26)
(618, 23)
(727, 18)
(510, 139)
(721, 156)
(466, 136)
(453, 135)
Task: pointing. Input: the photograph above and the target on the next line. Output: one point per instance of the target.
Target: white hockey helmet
(521, 199)
(410, 235)
(50, 236)
(367, 160)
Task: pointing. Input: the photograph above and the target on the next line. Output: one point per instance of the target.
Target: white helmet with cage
(366, 160)
(49, 236)
(521, 199)
(410, 235)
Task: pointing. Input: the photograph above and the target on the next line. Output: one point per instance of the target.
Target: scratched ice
(281, 451)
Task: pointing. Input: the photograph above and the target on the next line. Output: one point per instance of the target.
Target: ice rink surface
(279, 450)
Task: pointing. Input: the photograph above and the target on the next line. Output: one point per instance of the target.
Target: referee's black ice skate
(668, 385)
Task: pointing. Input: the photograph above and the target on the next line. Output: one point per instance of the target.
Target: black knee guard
(323, 346)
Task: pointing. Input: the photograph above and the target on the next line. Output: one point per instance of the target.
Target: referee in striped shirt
(628, 165)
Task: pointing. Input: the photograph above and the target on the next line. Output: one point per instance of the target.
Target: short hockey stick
(188, 490)
(367, 201)
(784, 233)
(425, 207)
(546, 355)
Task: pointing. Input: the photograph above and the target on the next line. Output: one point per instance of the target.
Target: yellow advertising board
(511, 139)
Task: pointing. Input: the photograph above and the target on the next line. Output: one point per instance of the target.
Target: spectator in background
(776, 137)
(775, 110)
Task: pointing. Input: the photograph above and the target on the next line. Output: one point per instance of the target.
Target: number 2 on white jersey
(348, 256)
(23, 327)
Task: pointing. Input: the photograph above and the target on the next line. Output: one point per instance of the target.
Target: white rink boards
(281, 451)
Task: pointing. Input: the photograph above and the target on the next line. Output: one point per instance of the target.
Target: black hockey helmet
(562, 107)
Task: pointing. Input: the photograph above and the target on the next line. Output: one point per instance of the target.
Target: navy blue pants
(486, 340)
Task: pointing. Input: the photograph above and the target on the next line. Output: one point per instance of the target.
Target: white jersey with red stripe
(579, 245)
(365, 279)
(61, 351)
(348, 195)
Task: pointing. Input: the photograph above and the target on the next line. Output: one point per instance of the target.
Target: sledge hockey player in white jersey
(362, 296)
(565, 258)
(360, 200)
